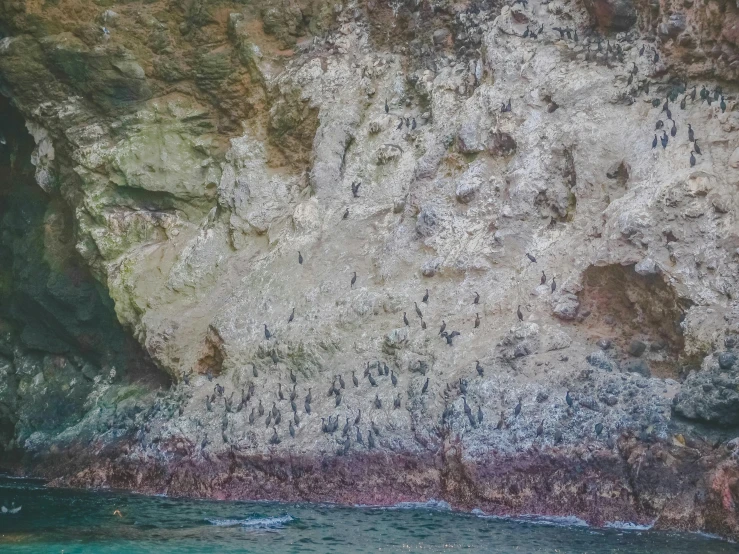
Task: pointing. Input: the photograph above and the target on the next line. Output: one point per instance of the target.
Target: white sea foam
(436, 505)
(628, 526)
(253, 522)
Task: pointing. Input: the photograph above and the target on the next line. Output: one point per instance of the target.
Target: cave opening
(625, 306)
(59, 333)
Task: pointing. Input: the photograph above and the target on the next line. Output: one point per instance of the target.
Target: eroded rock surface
(268, 193)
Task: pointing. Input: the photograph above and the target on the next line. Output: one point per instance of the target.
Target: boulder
(615, 15)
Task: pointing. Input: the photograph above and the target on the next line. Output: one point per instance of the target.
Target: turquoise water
(71, 521)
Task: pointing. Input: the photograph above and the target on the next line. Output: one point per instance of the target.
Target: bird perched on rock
(359, 437)
(691, 134)
(267, 334)
(405, 319)
(519, 313)
(477, 298)
(358, 418)
(423, 325)
(692, 159)
(219, 389)
(354, 280)
(501, 422)
(292, 316)
(554, 284)
(462, 386)
(598, 428)
(346, 214)
(568, 399)
(378, 402)
(387, 108)
(396, 402)
(543, 278)
(346, 429)
(418, 310)
(673, 131)
(696, 148)
(252, 417)
(393, 378)
(530, 257)
(479, 368)
(274, 439)
(279, 392)
(664, 139)
(400, 125)
(354, 379)
(260, 409)
(722, 105)
(208, 405)
(355, 188)
(654, 142)
(426, 297)
(371, 380)
(517, 409)
(540, 429)
(425, 386)
(443, 326)
(296, 419)
(479, 414)
(477, 320)
(370, 440)
(291, 429)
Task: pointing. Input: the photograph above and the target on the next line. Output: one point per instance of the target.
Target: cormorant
(696, 148)
(722, 105)
(716, 93)
(557, 436)
(682, 102)
(400, 125)
(691, 134)
(396, 402)
(479, 368)
(254, 371)
(278, 417)
(673, 131)
(479, 414)
(292, 430)
(477, 298)
(663, 139)
(341, 382)
(554, 285)
(251, 416)
(443, 326)
(462, 386)
(209, 375)
(467, 409)
(659, 125)
(218, 389)
(519, 313)
(669, 113)
(426, 297)
(425, 386)
(405, 319)
(269, 419)
(656, 57)
(300, 258)
(543, 278)
(274, 439)
(501, 422)
(293, 406)
(692, 159)
(267, 334)
(526, 32)
(208, 405)
(371, 380)
(358, 418)
(423, 325)
(568, 399)
(413, 124)
(359, 437)
(354, 280)
(641, 50)
(260, 409)
(477, 321)
(530, 257)
(418, 310)
(598, 428)
(517, 410)
(540, 429)
(274, 409)
(307, 408)
(309, 396)
(346, 214)
(654, 142)
(407, 121)
(296, 418)
(279, 392)
(370, 440)
(378, 402)
(338, 399)
(666, 106)
(347, 427)
(292, 316)
(387, 108)
(393, 378)
(449, 339)
(354, 379)
(387, 369)
(228, 402)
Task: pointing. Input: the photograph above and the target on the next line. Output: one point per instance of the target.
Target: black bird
(517, 410)
(209, 375)
(274, 439)
(540, 429)
(296, 418)
(673, 131)
(251, 417)
(467, 409)
(370, 440)
(526, 32)
(501, 422)
(426, 297)
(358, 418)
(387, 369)
(371, 380)
(656, 57)
(568, 399)
(268, 421)
(722, 105)
(387, 108)
(508, 106)
(519, 313)
(543, 278)
(598, 428)
(704, 92)
(479, 368)
(696, 148)
(405, 319)
(716, 93)
(423, 324)
(462, 386)
(477, 321)
(692, 94)
(254, 371)
(338, 399)
(425, 386)
(413, 124)
(641, 50)
(260, 409)
(267, 334)
(554, 285)
(654, 142)
(341, 382)
(682, 102)
(479, 414)
(367, 370)
(346, 214)
(355, 380)
(292, 430)
(378, 402)
(692, 159)
(309, 396)
(359, 437)
(443, 326)
(279, 392)
(400, 125)
(669, 114)
(292, 316)
(659, 125)
(278, 417)
(418, 310)
(396, 402)
(449, 339)
(346, 429)
(709, 100)
(666, 105)
(307, 408)
(354, 280)
(208, 404)
(630, 79)
(355, 188)
(274, 409)
(557, 436)
(691, 134)
(218, 389)
(393, 378)
(293, 406)
(477, 298)
(663, 139)
(407, 121)
(530, 257)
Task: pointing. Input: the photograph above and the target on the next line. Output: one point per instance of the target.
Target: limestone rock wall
(229, 165)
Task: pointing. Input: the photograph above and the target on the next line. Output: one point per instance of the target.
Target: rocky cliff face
(275, 197)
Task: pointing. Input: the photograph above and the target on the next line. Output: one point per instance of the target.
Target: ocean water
(106, 522)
